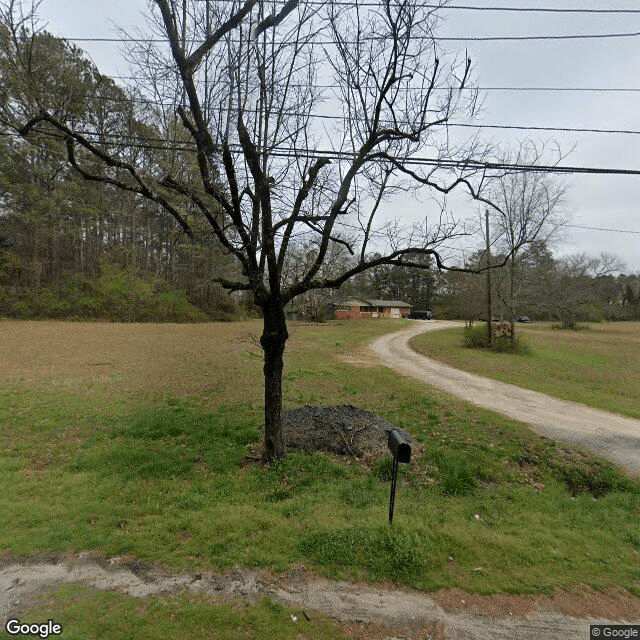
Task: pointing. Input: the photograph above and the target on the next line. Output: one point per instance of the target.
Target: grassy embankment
(130, 439)
(598, 367)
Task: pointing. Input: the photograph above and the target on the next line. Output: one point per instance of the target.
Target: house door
(395, 312)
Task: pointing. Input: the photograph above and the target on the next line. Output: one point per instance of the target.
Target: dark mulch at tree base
(344, 430)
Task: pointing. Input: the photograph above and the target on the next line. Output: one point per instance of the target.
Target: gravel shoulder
(610, 435)
(379, 612)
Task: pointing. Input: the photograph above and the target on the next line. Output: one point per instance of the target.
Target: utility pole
(488, 256)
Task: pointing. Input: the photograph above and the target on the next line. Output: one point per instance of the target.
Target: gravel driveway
(610, 435)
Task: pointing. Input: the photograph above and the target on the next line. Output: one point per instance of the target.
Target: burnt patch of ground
(344, 430)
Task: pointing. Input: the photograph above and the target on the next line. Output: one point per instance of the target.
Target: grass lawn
(599, 367)
(86, 613)
(131, 439)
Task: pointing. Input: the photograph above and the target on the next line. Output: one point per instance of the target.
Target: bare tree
(573, 285)
(258, 83)
(529, 205)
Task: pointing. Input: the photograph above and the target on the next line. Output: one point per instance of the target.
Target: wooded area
(86, 249)
(566, 289)
(76, 248)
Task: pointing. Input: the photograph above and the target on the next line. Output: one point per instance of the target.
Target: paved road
(609, 435)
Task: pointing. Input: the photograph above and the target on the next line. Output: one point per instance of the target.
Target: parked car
(523, 319)
(419, 315)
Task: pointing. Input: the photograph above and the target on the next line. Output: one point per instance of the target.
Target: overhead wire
(465, 88)
(498, 38)
(319, 116)
(536, 9)
(476, 38)
(332, 154)
(494, 8)
(582, 226)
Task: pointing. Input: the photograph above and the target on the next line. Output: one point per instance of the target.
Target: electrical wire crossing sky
(546, 73)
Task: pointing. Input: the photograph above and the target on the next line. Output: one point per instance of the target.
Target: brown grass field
(142, 359)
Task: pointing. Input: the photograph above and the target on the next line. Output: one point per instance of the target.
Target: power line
(465, 88)
(540, 128)
(473, 8)
(296, 152)
(576, 89)
(498, 38)
(536, 9)
(155, 103)
(579, 36)
(581, 226)
(450, 125)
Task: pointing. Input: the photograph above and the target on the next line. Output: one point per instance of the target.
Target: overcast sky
(601, 202)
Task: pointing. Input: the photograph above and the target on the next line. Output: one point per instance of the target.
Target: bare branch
(273, 21)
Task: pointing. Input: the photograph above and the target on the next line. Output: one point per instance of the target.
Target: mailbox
(401, 450)
(399, 446)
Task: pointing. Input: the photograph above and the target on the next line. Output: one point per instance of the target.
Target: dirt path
(609, 435)
(389, 614)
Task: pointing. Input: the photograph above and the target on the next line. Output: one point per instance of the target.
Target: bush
(476, 338)
(123, 296)
(589, 474)
(115, 294)
(173, 306)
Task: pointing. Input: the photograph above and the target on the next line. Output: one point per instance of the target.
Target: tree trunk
(273, 341)
(512, 293)
(488, 276)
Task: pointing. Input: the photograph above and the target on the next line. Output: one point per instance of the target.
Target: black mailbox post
(401, 451)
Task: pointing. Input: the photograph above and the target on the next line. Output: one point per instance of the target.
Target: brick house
(357, 308)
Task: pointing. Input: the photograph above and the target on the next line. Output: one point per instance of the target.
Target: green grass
(599, 367)
(85, 613)
(163, 477)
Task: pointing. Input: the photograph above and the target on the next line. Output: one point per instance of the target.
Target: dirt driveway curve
(607, 434)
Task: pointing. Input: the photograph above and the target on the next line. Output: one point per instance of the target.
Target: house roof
(383, 303)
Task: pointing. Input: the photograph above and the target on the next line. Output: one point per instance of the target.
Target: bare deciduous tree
(255, 85)
(573, 285)
(529, 207)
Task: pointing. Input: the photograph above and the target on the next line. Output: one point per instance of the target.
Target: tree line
(76, 248)
(86, 249)
(565, 289)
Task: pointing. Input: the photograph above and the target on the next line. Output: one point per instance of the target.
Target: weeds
(458, 476)
(379, 550)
